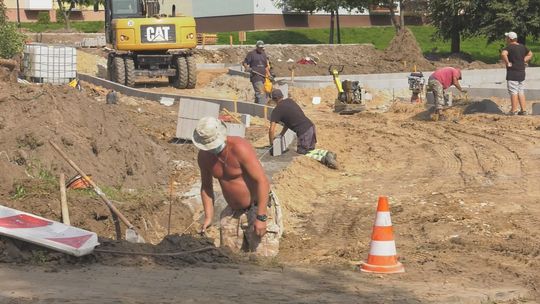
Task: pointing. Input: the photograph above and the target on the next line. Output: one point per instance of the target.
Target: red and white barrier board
(40, 231)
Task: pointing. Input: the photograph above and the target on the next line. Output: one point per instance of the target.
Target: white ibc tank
(44, 63)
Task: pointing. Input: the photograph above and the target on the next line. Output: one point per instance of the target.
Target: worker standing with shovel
(257, 64)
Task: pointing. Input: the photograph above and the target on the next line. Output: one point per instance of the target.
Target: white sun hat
(209, 134)
(511, 35)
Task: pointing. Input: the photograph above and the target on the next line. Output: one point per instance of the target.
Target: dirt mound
(405, 49)
(173, 250)
(96, 135)
(124, 147)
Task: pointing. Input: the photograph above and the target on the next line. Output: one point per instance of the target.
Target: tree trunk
(522, 39)
(65, 13)
(456, 42)
(393, 18)
(338, 27)
(67, 22)
(401, 15)
(331, 39)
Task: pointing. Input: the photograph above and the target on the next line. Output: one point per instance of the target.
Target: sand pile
(405, 50)
(91, 64)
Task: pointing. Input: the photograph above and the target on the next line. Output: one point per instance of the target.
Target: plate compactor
(349, 99)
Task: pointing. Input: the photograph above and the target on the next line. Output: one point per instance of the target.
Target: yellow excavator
(147, 43)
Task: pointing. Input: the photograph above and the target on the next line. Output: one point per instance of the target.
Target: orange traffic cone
(382, 256)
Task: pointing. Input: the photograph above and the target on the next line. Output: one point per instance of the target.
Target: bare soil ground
(464, 199)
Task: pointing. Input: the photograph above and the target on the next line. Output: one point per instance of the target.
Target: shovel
(131, 234)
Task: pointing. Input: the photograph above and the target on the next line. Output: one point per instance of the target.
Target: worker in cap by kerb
(288, 113)
(516, 57)
(258, 65)
(244, 185)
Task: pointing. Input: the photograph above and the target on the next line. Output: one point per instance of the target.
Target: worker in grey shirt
(256, 62)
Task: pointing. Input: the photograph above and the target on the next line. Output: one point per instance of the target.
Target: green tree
(12, 41)
(3, 12)
(495, 17)
(453, 19)
(331, 6)
(66, 7)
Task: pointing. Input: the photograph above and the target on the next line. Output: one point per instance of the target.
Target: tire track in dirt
(498, 161)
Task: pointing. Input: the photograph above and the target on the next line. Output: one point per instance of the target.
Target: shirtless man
(245, 224)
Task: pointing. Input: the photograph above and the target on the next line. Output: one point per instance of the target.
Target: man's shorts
(515, 87)
(237, 229)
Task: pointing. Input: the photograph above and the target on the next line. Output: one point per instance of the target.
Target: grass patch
(42, 183)
(81, 26)
(380, 37)
(116, 194)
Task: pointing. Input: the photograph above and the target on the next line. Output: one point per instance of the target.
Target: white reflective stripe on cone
(383, 248)
(383, 219)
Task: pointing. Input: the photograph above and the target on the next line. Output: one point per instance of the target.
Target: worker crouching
(288, 113)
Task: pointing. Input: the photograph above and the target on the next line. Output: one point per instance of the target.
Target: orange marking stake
(382, 257)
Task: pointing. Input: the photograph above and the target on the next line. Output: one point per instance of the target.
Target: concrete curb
(243, 107)
(486, 78)
(214, 66)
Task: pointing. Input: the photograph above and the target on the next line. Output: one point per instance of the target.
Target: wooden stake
(171, 190)
(230, 40)
(63, 200)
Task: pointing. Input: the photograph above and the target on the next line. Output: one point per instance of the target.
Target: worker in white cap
(516, 57)
(252, 220)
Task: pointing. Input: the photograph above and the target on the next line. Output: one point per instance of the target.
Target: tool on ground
(416, 85)
(63, 200)
(382, 257)
(78, 182)
(131, 234)
(149, 39)
(349, 99)
(232, 116)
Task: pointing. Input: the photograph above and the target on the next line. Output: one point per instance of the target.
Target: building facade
(234, 15)
(30, 9)
(215, 15)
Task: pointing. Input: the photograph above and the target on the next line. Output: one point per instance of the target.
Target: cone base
(397, 268)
